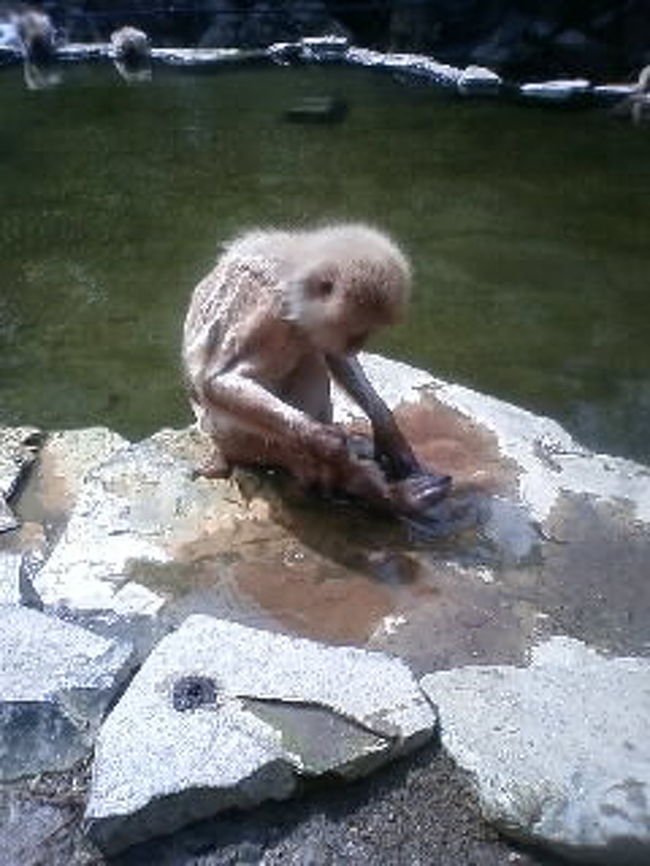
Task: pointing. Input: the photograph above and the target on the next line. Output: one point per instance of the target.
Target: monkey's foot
(216, 467)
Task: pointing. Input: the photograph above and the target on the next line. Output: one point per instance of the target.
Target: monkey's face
(339, 311)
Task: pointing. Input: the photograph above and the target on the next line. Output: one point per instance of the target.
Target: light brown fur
(281, 312)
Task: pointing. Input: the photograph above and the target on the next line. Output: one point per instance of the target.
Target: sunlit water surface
(528, 227)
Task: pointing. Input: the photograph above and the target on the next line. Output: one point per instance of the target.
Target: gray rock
(224, 715)
(10, 577)
(324, 48)
(56, 681)
(18, 447)
(556, 91)
(559, 750)
(613, 92)
(415, 65)
(477, 80)
(66, 458)
(8, 519)
(132, 512)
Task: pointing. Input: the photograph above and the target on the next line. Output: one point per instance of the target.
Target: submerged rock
(56, 681)
(224, 715)
(559, 750)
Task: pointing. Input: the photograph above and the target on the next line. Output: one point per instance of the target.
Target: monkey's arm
(414, 487)
(238, 393)
(316, 453)
(390, 442)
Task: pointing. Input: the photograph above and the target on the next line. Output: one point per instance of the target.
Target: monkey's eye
(325, 288)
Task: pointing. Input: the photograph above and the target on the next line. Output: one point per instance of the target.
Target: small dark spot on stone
(190, 693)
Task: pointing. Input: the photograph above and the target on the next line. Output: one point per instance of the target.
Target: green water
(528, 228)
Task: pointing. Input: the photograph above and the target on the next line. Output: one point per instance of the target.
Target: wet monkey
(280, 315)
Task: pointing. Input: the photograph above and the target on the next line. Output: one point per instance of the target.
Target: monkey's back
(244, 287)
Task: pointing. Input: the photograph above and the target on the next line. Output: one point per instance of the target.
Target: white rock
(479, 80)
(560, 750)
(272, 707)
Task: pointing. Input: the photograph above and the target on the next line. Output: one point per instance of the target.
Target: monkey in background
(131, 54)
(636, 106)
(280, 314)
(38, 44)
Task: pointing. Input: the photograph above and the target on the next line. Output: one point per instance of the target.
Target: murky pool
(528, 228)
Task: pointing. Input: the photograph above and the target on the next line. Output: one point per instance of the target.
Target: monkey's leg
(216, 466)
(308, 388)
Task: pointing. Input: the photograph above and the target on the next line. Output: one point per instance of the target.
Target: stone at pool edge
(56, 681)
(17, 453)
(266, 709)
(559, 751)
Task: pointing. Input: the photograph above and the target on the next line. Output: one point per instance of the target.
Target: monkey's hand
(418, 492)
(324, 453)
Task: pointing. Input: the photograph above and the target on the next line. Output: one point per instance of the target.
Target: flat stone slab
(65, 459)
(56, 680)
(224, 715)
(132, 511)
(560, 750)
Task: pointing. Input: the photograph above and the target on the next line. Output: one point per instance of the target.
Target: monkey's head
(130, 45)
(348, 282)
(36, 34)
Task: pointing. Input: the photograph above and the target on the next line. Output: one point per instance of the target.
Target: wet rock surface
(558, 749)
(539, 537)
(236, 714)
